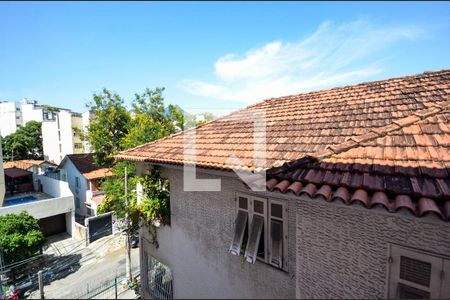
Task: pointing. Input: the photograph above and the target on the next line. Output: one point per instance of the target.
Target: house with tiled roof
(32, 165)
(340, 193)
(84, 179)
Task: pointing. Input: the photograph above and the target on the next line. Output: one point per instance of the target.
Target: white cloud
(333, 55)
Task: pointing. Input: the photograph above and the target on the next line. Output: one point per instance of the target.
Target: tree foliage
(109, 126)
(20, 237)
(25, 143)
(148, 119)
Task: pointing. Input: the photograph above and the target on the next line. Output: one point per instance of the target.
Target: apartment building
(58, 126)
(10, 118)
(61, 134)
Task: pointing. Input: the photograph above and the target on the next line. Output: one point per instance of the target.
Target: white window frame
(283, 219)
(438, 284)
(267, 217)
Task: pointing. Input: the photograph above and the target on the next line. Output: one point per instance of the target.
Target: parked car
(134, 241)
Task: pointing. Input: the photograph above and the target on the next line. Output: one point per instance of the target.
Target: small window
(263, 237)
(243, 203)
(415, 274)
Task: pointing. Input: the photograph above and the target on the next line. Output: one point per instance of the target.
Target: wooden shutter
(445, 286)
(255, 236)
(239, 229)
(414, 274)
(276, 238)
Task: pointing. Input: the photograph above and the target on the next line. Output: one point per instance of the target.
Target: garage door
(53, 225)
(99, 227)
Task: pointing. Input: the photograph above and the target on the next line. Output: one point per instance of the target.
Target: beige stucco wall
(335, 251)
(196, 245)
(342, 251)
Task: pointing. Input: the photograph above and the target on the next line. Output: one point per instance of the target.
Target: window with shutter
(276, 238)
(415, 274)
(260, 230)
(254, 238)
(239, 229)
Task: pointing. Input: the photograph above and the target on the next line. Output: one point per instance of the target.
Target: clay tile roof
(85, 165)
(381, 144)
(16, 172)
(312, 123)
(23, 164)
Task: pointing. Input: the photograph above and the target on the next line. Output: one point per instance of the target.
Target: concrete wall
(8, 121)
(57, 145)
(42, 208)
(196, 245)
(53, 187)
(343, 251)
(334, 250)
(72, 172)
(50, 141)
(80, 233)
(30, 112)
(86, 118)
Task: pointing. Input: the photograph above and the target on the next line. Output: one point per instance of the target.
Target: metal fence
(159, 279)
(116, 288)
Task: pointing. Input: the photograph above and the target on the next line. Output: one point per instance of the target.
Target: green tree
(20, 237)
(148, 119)
(109, 126)
(25, 143)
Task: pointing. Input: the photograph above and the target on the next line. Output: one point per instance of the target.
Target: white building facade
(10, 118)
(58, 133)
(61, 134)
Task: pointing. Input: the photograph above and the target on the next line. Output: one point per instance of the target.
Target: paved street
(100, 261)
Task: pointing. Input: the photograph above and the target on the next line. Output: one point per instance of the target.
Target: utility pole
(127, 220)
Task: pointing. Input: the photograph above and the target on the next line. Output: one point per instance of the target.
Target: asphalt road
(100, 267)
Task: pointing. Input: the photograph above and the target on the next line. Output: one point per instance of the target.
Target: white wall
(77, 121)
(42, 208)
(50, 141)
(58, 136)
(2, 176)
(30, 112)
(8, 122)
(72, 172)
(53, 187)
(86, 119)
(62, 203)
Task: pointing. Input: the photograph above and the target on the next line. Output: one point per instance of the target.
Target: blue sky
(212, 55)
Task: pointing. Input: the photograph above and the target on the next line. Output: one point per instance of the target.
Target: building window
(417, 275)
(49, 115)
(260, 230)
(159, 281)
(78, 146)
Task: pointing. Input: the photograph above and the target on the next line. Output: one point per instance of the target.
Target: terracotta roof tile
(24, 164)
(392, 140)
(310, 123)
(85, 164)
